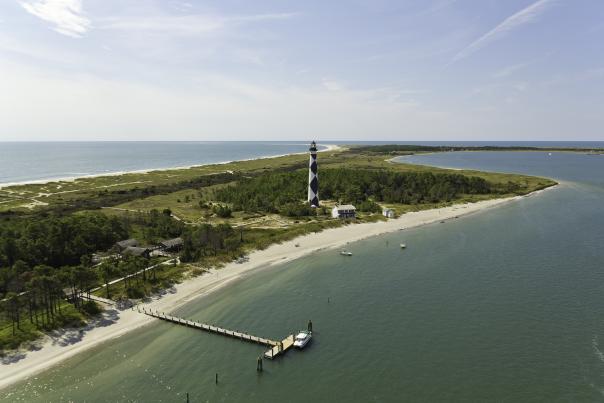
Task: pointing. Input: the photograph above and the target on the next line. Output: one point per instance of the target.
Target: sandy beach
(67, 343)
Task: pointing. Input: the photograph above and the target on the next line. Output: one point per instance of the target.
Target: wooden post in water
(310, 325)
(216, 378)
(187, 397)
(259, 364)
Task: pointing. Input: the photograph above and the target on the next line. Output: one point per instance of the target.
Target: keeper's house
(344, 211)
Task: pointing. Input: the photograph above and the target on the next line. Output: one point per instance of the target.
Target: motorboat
(345, 253)
(302, 338)
(403, 246)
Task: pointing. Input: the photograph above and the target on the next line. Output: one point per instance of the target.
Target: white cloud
(186, 25)
(522, 17)
(87, 107)
(66, 15)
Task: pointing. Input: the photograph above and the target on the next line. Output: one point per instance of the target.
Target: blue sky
(281, 70)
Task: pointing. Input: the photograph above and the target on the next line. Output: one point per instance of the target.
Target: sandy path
(65, 344)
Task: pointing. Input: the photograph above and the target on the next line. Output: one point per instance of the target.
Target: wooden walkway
(276, 348)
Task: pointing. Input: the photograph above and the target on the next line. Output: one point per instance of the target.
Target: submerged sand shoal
(64, 344)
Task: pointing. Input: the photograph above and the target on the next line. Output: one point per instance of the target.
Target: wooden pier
(276, 348)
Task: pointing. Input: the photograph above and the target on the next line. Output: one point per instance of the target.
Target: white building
(388, 212)
(344, 211)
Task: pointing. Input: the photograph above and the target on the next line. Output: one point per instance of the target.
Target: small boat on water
(345, 253)
(403, 246)
(302, 338)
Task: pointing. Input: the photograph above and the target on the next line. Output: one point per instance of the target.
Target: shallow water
(503, 305)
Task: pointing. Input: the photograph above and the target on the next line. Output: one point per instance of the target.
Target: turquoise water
(502, 305)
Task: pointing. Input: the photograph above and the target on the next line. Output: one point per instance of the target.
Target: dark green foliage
(91, 308)
(156, 225)
(57, 241)
(368, 206)
(222, 211)
(283, 192)
(297, 210)
(207, 240)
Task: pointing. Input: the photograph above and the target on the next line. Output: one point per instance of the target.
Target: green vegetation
(41, 307)
(13, 334)
(141, 277)
(280, 193)
(54, 240)
(50, 232)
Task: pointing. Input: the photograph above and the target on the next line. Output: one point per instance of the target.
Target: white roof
(345, 207)
(302, 335)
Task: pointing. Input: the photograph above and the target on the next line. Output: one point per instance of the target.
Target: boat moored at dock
(302, 338)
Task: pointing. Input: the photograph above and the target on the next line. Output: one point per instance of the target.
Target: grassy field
(69, 193)
(193, 205)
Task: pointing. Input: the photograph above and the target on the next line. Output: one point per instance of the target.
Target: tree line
(283, 192)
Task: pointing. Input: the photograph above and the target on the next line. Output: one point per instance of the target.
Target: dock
(276, 348)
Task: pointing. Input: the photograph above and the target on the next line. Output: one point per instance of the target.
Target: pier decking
(276, 348)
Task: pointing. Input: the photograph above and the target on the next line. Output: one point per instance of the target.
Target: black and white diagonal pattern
(313, 180)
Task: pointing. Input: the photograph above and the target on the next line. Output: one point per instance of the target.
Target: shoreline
(328, 148)
(60, 346)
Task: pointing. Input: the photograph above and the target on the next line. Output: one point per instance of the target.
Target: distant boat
(302, 338)
(345, 253)
(403, 246)
(550, 154)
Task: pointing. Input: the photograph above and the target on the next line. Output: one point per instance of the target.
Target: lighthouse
(313, 180)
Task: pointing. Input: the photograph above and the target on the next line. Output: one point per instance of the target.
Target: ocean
(502, 305)
(23, 162)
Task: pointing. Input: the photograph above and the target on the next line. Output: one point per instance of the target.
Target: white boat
(403, 246)
(345, 253)
(302, 338)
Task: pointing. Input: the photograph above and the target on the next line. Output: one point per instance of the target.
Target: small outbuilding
(388, 212)
(171, 244)
(344, 211)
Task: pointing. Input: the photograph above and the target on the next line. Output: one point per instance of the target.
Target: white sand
(65, 344)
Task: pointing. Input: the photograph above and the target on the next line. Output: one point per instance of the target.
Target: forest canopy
(282, 192)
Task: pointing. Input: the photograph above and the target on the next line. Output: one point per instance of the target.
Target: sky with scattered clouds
(290, 70)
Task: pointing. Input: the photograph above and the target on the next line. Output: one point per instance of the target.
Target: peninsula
(123, 239)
